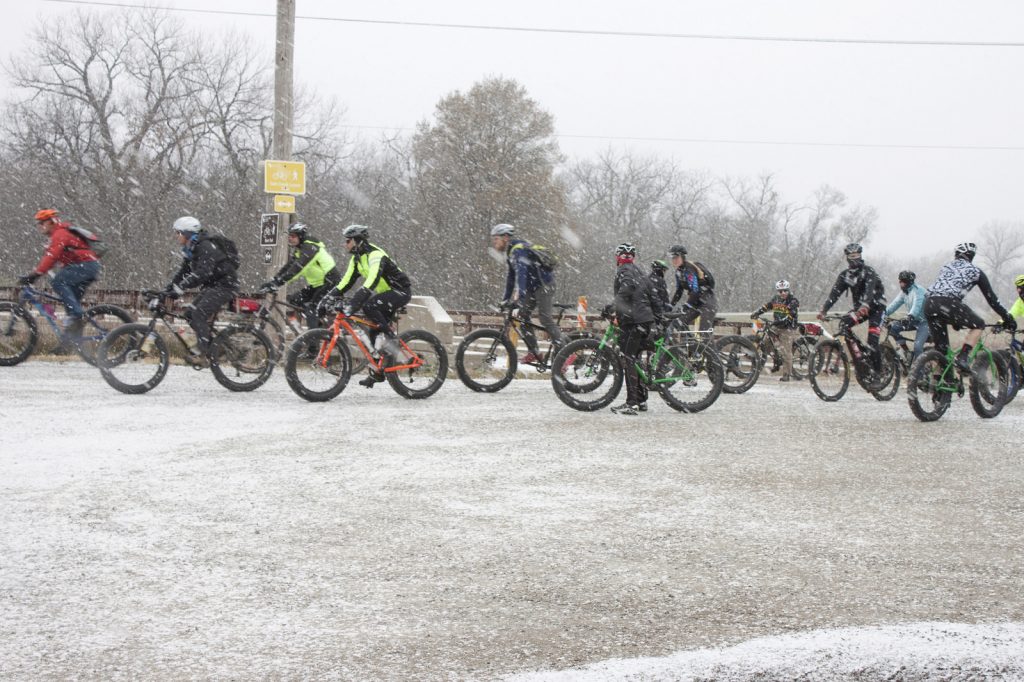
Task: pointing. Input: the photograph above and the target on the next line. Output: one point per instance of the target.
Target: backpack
(228, 249)
(704, 277)
(93, 240)
(545, 257)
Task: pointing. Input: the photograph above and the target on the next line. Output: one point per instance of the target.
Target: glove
(173, 291)
(28, 279)
(862, 313)
(608, 311)
(754, 315)
(850, 319)
(328, 304)
(268, 287)
(911, 321)
(821, 315)
(154, 304)
(1009, 324)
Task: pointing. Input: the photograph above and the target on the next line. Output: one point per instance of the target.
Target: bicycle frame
(513, 326)
(343, 322)
(37, 299)
(948, 385)
(661, 348)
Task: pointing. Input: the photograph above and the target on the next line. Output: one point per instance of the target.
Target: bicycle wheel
(802, 348)
(829, 370)
(586, 376)
(1013, 374)
(740, 363)
(130, 363)
(485, 361)
(423, 381)
(275, 332)
(926, 394)
(18, 334)
(241, 358)
(988, 382)
(99, 321)
(311, 372)
(888, 382)
(689, 377)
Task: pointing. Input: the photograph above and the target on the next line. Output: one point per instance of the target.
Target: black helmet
(966, 250)
(907, 276)
(658, 266)
(357, 232)
(677, 250)
(625, 249)
(852, 248)
(299, 229)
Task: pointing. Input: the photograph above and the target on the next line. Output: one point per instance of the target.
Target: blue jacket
(524, 273)
(913, 299)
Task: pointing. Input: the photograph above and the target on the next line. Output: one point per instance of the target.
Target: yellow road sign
(284, 203)
(284, 177)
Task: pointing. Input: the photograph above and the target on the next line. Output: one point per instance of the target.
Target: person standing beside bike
(210, 263)
(80, 268)
(634, 311)
(385, 289)
(944, 303)
(311, 261)
(696, 281)
(868, 294)
(911, 295)
(785, 307)
(528, 285)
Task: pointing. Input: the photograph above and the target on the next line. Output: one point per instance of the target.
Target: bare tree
(1001, 254)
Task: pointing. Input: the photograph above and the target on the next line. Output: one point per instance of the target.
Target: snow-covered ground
(196, 533)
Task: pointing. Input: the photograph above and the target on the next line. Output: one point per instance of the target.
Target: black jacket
(659, 290)
(207, 266)
(633, 295)
(864, 285)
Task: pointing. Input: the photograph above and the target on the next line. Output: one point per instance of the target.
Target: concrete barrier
(424, 312)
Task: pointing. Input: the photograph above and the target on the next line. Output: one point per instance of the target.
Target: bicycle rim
(802, 348)
(241, 358)
(889, 376)
(740, 363)
(689, 377)
(129, 363)
(988, 384)
(425, 379)
(18, 334)
(485, 362)
(927, 400)
(1013, 374)
(313, 373)
(586, 376)
(99, 321)
(829, 371)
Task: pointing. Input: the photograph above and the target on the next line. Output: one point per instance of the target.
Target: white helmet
(187, 224)
(502, 230)
(782, 285)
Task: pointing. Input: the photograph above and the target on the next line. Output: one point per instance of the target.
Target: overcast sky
(880, 119)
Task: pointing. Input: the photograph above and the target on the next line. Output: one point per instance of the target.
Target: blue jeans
(71, 282)
(907, 325)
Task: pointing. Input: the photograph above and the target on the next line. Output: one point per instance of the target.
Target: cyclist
(661, 300)
(944, 303)
(912, 296)
(634, 311)
(311, 261)
(80, 268)
(528, 285)
(1017, 309)
(210, 263)
(868, 294)
(385, 289)
(785, 307)
(696, 281)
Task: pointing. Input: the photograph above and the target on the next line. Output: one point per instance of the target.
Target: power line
(776, 143)
(570, 31)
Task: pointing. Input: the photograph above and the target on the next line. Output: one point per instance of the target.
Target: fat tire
(828, 354)
(297, 357)
(440, 373)
(122, 348)
(891, 369)
(500, 342)
(584, 386)
(700, 363)
(92, 336)
(740, 362)
(12, 349)
(988, 399)
(251, 358)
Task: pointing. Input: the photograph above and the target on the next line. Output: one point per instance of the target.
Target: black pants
(943, 310)
(632, 340)
(380, 308)
(874, 334)
(309, 298)
(207, 304)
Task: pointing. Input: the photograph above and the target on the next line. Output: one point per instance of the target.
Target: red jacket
(66, 248)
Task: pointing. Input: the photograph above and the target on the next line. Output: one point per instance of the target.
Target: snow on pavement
(192, 532)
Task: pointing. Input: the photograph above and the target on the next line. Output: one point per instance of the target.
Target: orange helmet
(45, 214)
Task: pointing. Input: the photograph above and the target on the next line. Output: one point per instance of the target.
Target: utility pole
(284, 109)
